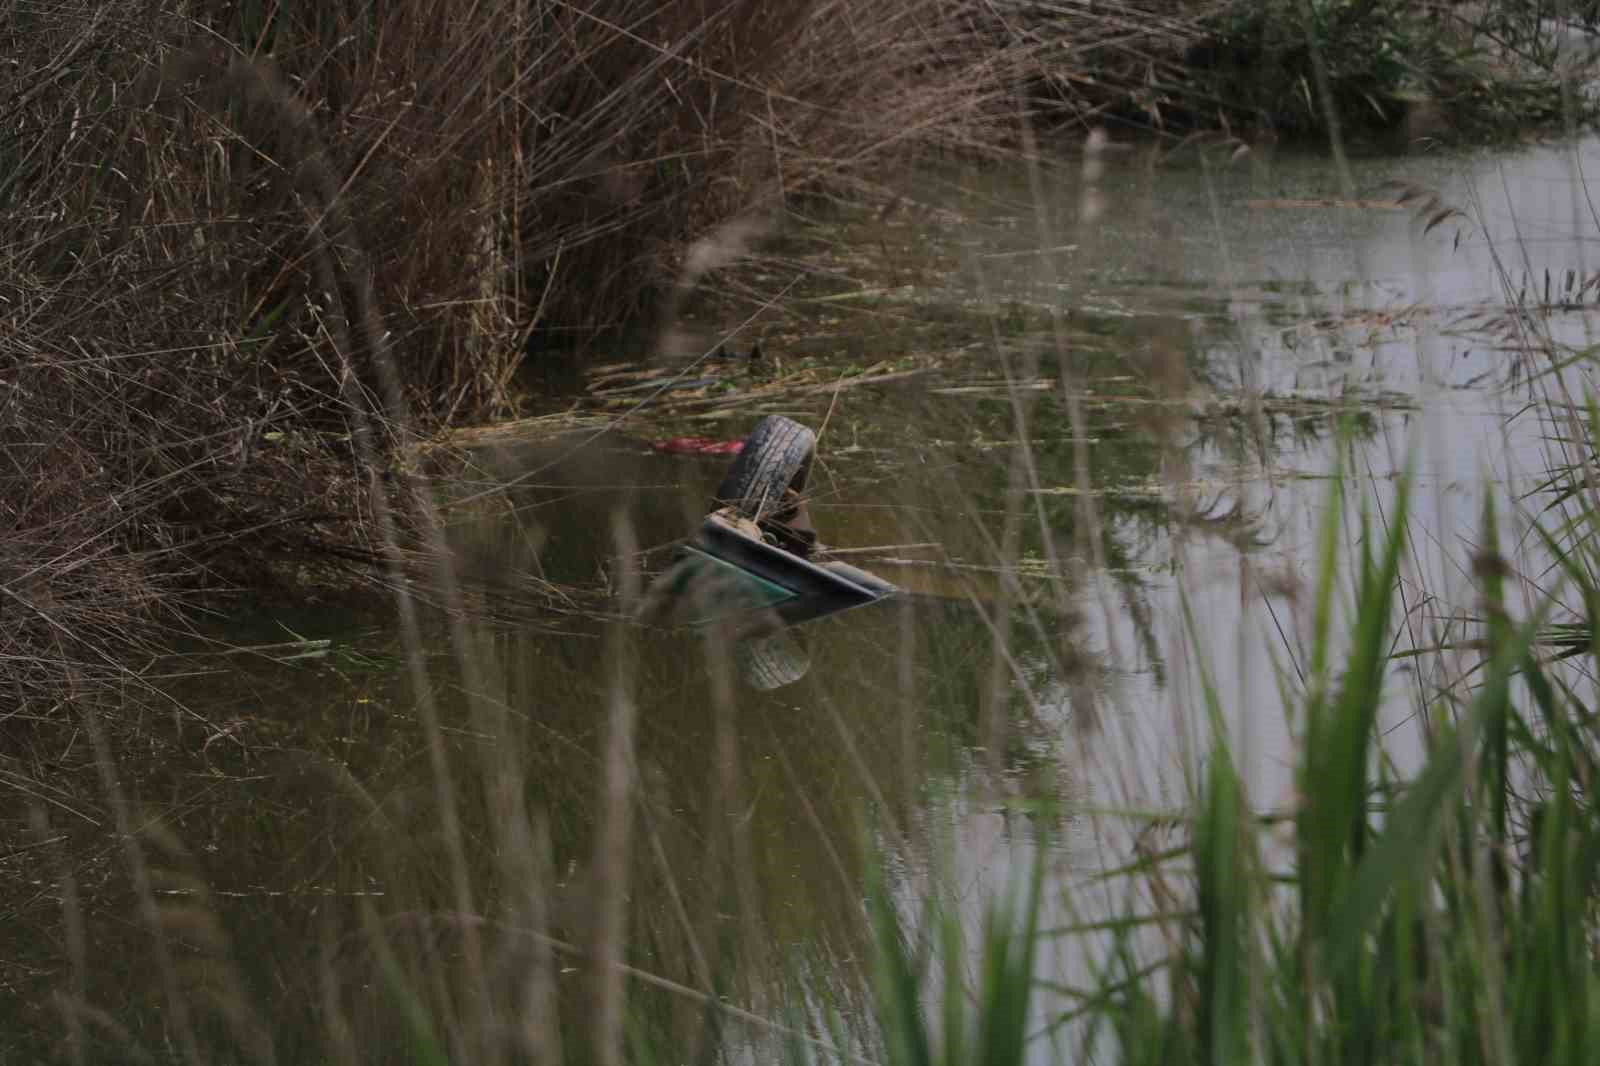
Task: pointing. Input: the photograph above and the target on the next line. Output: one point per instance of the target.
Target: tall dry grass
(251, 248)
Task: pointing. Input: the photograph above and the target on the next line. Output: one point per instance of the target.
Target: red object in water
(698, 446)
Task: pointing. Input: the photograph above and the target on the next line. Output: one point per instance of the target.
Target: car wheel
(765, 482)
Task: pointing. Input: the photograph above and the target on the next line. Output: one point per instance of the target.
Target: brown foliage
(246, 246)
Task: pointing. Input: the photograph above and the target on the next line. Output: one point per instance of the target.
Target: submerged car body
(750, 572)
(754, 565)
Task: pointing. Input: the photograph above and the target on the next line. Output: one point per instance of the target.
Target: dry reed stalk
(613, 841)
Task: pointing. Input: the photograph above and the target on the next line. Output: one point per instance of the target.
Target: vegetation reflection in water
(336, 856)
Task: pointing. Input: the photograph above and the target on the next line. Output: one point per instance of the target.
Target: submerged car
(755, 566)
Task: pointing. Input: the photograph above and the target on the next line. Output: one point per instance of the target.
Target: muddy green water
(1095, 391)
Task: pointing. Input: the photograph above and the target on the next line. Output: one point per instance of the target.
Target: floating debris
(697, 446)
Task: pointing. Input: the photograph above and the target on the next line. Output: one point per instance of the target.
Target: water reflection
(1062, 446)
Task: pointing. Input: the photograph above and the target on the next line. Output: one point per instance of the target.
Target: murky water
(1060, 406)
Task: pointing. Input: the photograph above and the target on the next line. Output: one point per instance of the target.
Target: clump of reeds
(1445, 916)
(250, 249)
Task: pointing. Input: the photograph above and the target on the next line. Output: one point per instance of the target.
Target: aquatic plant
(1442, 916)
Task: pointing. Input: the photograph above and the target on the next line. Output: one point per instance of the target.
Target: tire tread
(776, 456)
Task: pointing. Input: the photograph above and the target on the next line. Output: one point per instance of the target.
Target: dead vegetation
(247, 248)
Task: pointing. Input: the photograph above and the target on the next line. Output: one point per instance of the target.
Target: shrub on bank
(1310, 68)
(1352, 65)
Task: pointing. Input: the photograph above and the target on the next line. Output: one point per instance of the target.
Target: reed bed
(317, 235)
(252, 252)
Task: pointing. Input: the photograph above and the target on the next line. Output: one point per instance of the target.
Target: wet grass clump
(1440, 915)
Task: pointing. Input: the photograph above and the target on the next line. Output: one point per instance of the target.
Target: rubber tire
(776, 457)
(770, 662)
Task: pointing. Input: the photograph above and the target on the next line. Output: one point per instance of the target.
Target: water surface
(1086, 412)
